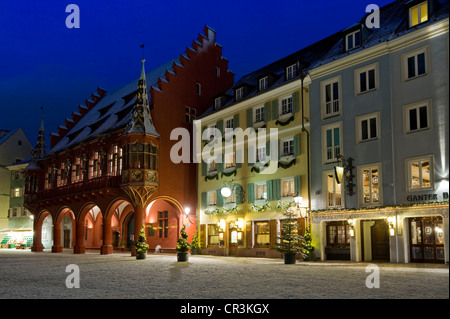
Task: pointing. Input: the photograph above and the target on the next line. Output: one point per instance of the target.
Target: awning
(20, 229)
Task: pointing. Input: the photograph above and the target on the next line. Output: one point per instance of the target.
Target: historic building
(15, 150)
(379, 138)
(108, 170)
(263, 164)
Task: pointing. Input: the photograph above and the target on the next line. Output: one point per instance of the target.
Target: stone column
(139, 220)
(57, 247)
(37, 237)
(107, 247)
(79, 248)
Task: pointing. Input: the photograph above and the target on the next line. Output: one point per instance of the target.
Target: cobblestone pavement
(24, 274)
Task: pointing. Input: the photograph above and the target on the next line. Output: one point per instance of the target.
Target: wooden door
(380, 240)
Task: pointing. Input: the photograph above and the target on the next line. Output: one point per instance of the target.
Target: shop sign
(425, 197)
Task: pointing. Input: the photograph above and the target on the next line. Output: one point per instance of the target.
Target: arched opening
(47, 231)
(93, 230)
(63, 230)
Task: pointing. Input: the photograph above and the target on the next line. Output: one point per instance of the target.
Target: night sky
(44, 63)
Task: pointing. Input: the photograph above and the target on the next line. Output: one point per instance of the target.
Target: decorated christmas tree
(141, 244)
(307, 247)
(290, 239)
(182, 244)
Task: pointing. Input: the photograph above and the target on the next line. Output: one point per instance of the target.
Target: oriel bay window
(115, 161)
(140, 155)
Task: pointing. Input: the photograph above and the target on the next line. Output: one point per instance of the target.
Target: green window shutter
(268, 148)
(274, 109)
(204, 199)
(219, 199)
(249, 117)
(220, 127)
(204, 168)
(336, 137)
(236, 121)
(203, 130)
(267, 112)
(276, 185)
(295, 102)
(297, 185)
(220, 166)
(251, 193)
(297, 145)
(269, 191)
(239, 194)
(329, 138)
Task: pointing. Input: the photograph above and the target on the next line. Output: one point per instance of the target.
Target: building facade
(108, 171)
(379, 139)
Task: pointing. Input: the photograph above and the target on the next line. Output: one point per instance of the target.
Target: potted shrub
(141, 244)
(290, 240)
(307, 247)
(195, 244)
(183, 246)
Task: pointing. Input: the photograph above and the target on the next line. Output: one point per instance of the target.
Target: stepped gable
(113, 111)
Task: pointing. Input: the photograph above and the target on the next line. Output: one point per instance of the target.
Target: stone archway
(42, 231)
(63, 230)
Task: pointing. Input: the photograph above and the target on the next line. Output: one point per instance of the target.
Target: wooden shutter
(219, 126)
(202, 235)
(295, 102)
(276, 189)
(236, 121)
(297, 185)
(273, 233)
(250, 193)
(239, 194)
(204, 200)
(204, 168)
(219, 198)
(248, 234)
(267, 115)
(297, 144)
(249, 117)
(274, 109)
(269, 191)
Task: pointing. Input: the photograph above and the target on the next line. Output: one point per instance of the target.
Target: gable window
(417, 116)
(353, 40)
(291, 71)
(369, 178)
(415, 64)
(333, 193)
(217, 102)
(367, 127)
(366, 79)
(239, 93)
(263, 83)
(418, 14)
(190, 114)
(330, 97)
(332, 142)
(420, 173)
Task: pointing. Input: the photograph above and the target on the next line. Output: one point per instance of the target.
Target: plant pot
(141, 255)
(182, 256)
(290, 258)
(194, 251)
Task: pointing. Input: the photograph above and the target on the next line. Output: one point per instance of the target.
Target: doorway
(66, 241)
(380, 240)
(426, 239)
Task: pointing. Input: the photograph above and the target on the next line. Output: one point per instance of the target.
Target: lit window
(418, 14)
(353, 40)
(163, 221)
(261, 191)
(287, 188)
(115, 161)
(61, 177)
(95, 169)
(262, 233)
(333, 191)
(230, 160)
(232, 198)
(213, 235)
(370, 185)
(420, 173)
(77, 173)
(212, 198)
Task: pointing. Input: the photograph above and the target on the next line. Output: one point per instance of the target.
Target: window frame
(323, 85)
(409, 162)
(290, 106)
(262, 199)
(415, 53)
(407, 120)
(419, 9)
(359, 130)
(263, 83)
(357, 77)
(239, 93)
(291, 188)
(255, 234)
(360, 171)
(209, 203)
(291, 71)
(325, 128)
(352, 34)
(262, 111)
(326, 175)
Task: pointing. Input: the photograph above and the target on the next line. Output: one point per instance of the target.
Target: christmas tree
(290, 239)
(141, 244)
(307, 247)
(182, 244)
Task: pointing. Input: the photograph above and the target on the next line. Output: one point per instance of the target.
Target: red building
(108, 170)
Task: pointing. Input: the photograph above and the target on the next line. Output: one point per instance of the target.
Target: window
(217, 102)
(263, 83)
(213, 235)
(418, 14)
(261, 154)
(367, 127)
(217, 72)
(163, 223)
(239, 94)
(115, 161)
(77, 173)
(190, 114)
(198, 88)
(420, 173)
(286, 105)
(330, 97)
(287, 188)
(140, 155)
(17, 192)
(48, 178)
(417, 116)
(212, 198)
(230, 160)
(415, 64)
(366, 79)
(333, 193)
(287, 147)
(369, 179)
(232, 198)
(353, 40)
(291, 71)
(95, 169)
(262, 233)
(229, 123)
(259, 114)
(61, 178)
(261, 191)
(332, 142)
(338, 234)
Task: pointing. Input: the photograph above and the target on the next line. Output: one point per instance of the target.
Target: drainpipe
(302, 77)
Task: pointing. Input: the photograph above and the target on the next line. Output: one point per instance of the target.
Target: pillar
(57, 247)
(80, 247)
(107, 247)
(139, 221)
(37, 237)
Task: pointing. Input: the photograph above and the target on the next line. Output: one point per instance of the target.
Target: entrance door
(426, 239)
(66, 238)
(380, 240)
(233, 242)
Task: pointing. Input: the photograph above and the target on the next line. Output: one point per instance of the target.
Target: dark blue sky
(43, 63)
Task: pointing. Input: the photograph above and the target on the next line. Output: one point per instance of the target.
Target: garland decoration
(289, 120)
(260, 208)
(285, 166)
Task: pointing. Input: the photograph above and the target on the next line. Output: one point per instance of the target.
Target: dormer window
(263, 83)
(217, 103)
(291, 71)
(239, 93)
(353, 40)
(418, 14)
